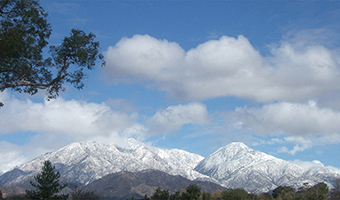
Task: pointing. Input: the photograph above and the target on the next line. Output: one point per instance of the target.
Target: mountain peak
(232, 151)
(237, 145)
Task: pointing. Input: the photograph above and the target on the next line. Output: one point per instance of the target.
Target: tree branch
(21, 83)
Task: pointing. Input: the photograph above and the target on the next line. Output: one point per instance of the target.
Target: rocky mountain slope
(124, 185)
(232, 166)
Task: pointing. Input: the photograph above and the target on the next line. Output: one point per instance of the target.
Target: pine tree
(47, 184)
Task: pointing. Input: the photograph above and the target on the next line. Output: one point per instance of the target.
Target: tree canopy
(24, 32)
(284, 193)
(193, 192)
(335, 192)
(160, 194)
(235, 194)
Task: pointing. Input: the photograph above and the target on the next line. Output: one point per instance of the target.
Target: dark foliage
(236, 194)
(192, 192)
(160, 195)
(284, 192)
(335, 192)
(78, 194)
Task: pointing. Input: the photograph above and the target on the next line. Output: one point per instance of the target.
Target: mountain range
(232, 166)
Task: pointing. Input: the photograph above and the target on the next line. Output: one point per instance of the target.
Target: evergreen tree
(46, 184)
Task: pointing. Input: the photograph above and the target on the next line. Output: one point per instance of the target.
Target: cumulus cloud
(141, 58)
(225, 67)
(286, 117)
(62, 117)
(174, 117)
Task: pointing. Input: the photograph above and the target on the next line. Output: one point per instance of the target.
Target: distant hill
(123, 185)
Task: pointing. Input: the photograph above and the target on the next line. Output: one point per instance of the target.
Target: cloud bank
(61, 117)
(226, 67)
(286, 117)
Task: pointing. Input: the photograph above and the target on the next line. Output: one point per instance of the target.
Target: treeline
(319, 191)
(47, 187)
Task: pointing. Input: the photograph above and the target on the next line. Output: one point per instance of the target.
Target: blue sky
(193, 75)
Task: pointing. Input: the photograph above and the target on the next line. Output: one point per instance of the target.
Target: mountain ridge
(234, 166)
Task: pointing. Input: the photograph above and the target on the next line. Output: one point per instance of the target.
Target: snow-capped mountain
(232, 166)
(88, 161)
(238, 166)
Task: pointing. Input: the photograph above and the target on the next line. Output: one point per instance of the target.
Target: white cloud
(122, 105)
(61, 117)
(291, 118)
(174, 117)
(302, 143)
(226, 67)
(142, 58)
(307, 164)
(315, 164)
(11, 155)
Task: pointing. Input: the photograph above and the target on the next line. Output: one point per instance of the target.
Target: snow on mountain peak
(238, 166)
(234, 165)
(86, 161)
(230, 152)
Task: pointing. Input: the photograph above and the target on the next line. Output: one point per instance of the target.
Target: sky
(191, 75)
